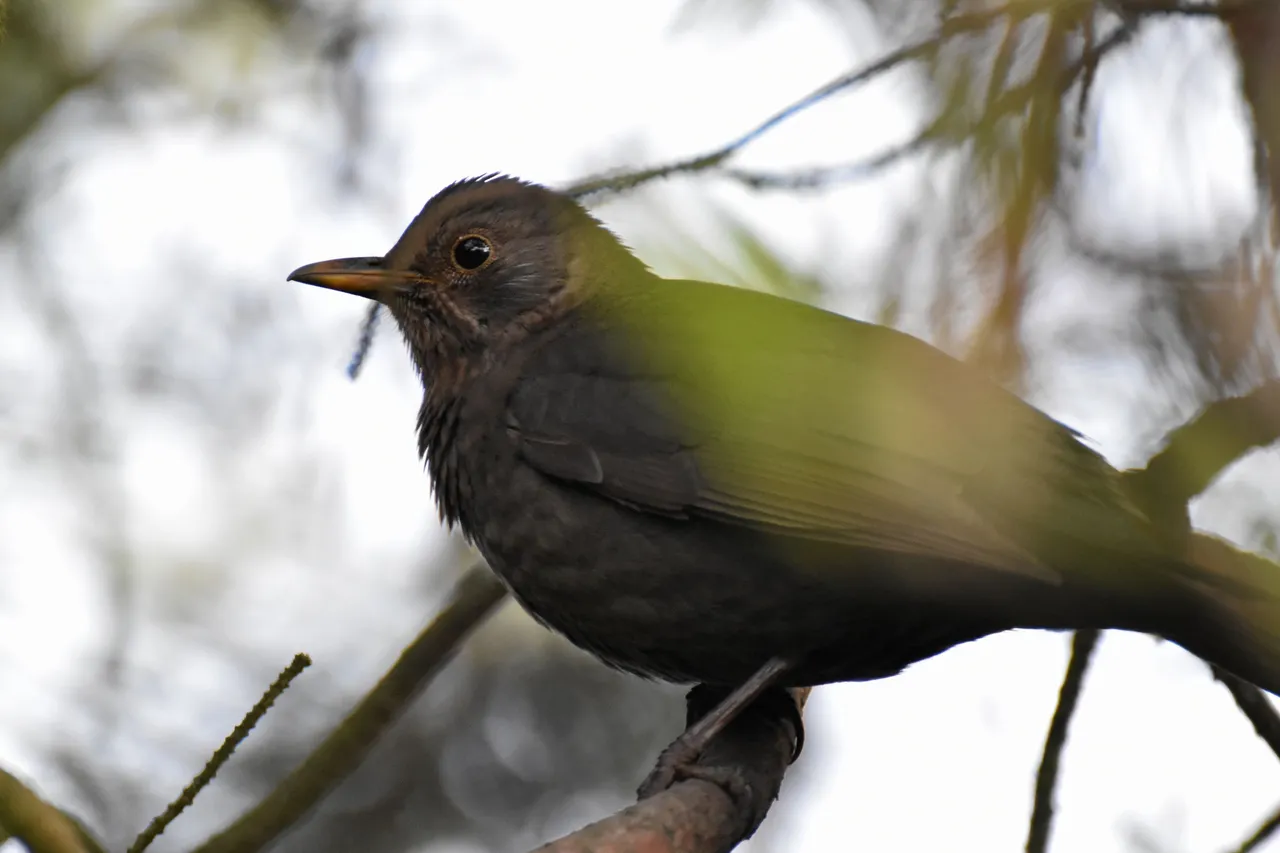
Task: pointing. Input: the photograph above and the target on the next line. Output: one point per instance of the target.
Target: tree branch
(1255, 30)
(476, 594)
(1195, 454)
(1264, 831)
(821, 176)
(1082, 646)
(1199, 450)
(1255, 705)
(698, 816)
(40, 827)
(221, 755)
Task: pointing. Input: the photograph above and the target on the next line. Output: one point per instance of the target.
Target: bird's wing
(691, 399)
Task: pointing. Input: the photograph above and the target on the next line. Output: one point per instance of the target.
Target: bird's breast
(684, 600)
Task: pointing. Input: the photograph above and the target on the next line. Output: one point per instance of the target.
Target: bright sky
(940, 758)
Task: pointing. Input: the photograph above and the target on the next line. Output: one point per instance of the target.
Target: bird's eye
(471, 252)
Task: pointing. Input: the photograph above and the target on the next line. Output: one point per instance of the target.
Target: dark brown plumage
(691, 481)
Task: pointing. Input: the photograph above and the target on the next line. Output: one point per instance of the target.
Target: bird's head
(487, 259)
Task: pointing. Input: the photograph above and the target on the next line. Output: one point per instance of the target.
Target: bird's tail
(1236, 610)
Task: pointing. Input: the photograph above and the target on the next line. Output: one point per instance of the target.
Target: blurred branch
(220, 756)
(1008, 101)
(715, 158)
(698, 816)
(40, 827)
(474, 596)
(1082, 646)
(1219, 9)
(1090, 72)
(28, 42)
(67, 74)
(368, 329)
(1255, 705)
(1197, 452)
(1264, 831)
(45, 61)
(821, 176)
(1255, 30)
(1027, 174)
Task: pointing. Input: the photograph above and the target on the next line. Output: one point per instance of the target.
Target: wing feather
(760, 412)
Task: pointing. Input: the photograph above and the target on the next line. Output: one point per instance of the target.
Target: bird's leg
(677, 760)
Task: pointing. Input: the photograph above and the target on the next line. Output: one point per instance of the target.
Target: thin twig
(1173, 7)
(718, 156)
(998, 104)
(1088, 75)
(822, 176)
(1255, 705)
(473, 598)
(1264, 831)
(365, 342)
(220, 756)
(715, 161)
(1003, 62)
(1082, 646)
(1014, 99)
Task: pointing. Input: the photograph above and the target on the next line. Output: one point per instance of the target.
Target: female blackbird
(702, 483)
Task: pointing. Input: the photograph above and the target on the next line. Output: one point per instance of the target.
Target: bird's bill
(367, 277)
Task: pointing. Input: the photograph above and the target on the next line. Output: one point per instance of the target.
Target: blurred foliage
(1012, 89)
(530, 733)
(523, 736)
(525, 739)
(120, 62)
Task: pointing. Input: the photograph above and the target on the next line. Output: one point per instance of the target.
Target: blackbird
(707, 484)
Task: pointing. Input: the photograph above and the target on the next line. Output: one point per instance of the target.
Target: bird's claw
(674, 764)
(677, 763)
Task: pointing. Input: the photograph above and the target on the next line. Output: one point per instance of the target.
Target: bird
(707, 484)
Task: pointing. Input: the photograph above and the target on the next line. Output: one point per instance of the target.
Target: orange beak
(365, 277)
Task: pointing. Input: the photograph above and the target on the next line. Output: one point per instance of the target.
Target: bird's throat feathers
(437, 431)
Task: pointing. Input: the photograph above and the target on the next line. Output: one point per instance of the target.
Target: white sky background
(940, 758)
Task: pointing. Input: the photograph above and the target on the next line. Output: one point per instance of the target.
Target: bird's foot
(709, 711)
(674, 764)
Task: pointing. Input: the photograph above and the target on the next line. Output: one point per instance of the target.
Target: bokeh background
(193, 490)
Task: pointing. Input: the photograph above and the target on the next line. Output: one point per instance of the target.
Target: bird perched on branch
(705, 484)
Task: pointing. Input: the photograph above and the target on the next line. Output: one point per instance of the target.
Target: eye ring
(471, 252)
